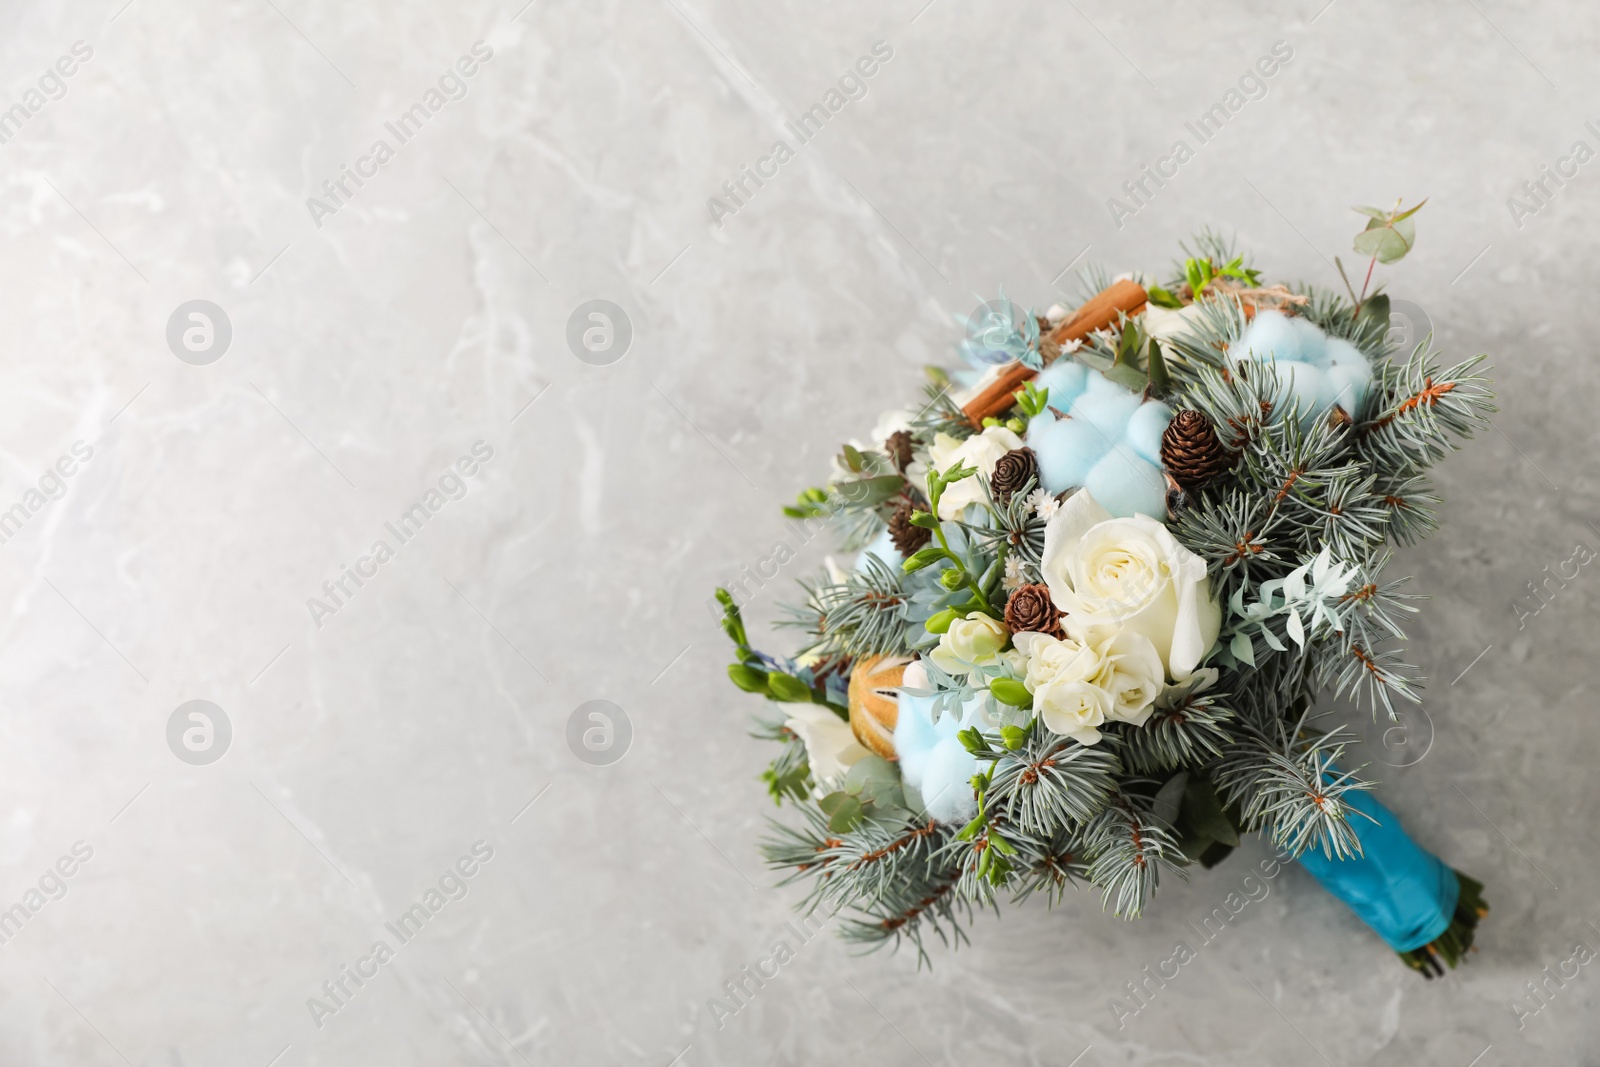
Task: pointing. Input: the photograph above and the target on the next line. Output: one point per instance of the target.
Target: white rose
(1164, 324)
(1130, 574)
(1130, 673)
(1061, 676)
(831, 746)
(972, 642)
(981, 451)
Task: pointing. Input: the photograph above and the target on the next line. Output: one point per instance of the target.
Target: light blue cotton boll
(1065, 380)
(947, 785)
(1067, 449)
(881, 546)
(1349, 376)
(933, 759)
(1307, 388)
(1106, 406)
(1270, 335)
(915, 736)
(1313, 342)
(1349, 386)
(1126, 485)
(1145, 429)
(1342, 353)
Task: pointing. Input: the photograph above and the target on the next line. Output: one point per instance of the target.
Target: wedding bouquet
(1110, 584)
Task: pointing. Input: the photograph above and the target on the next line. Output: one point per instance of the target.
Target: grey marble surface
(377, 744)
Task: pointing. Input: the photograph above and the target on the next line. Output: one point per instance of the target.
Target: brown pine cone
(1012, 472)
(906, 537)
(1030, 608)
(1191, 452)
(899, 448)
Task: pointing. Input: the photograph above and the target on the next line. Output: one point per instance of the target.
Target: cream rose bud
(1061, 676)
(1130, 574)
(981, 451)
(1130, 673)
(1163, 324)
(972, 642)
(831, 746)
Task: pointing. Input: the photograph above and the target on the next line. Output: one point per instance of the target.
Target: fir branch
(925, 902)
(1424, 412)
(1290, 790)
(1051, 782)
(865, 615)
(1186, 732)
(1050, 867)
(940, 414)
(1129, 847)
(1370, 676)
(1013, 528)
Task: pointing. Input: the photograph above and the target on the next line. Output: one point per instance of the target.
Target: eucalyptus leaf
(1169, 798)
(1160, 380)
(1375, 310)
(843, 810)
(1130, 378)
(1204, 814)
(872, 778)
(1389, 241)
(870, 492)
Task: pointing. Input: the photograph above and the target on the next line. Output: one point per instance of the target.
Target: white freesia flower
(831, 747)
(1061, 676)
(1130, 574)
(972, 642)
(981, 451)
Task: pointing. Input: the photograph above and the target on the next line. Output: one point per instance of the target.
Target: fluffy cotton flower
(831, 747)
(1061, 676)
(981, 451)
(1130, 574)
(972, 642)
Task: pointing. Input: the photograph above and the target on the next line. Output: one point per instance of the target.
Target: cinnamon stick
(1100, 311)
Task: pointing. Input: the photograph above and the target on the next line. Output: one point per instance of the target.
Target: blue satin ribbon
(1406, 894)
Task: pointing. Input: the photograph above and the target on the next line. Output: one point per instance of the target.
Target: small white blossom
(1043, 503)
(1013, 578)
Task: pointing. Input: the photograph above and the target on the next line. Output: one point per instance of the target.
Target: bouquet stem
(1425, 910)
(1452, 946)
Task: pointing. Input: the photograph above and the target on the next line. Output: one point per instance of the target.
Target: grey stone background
(429, 313)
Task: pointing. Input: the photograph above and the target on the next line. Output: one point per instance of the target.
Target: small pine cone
(1012, 472)
(906, 537)
(899, 448)
(1030, 608)
(1191, 452)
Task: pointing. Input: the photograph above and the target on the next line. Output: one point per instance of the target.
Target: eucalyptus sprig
(1388, 236)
